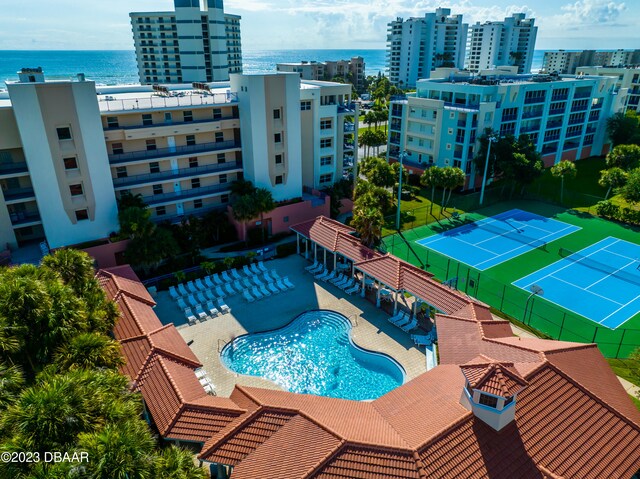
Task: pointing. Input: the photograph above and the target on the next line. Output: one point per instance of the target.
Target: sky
(315, 24)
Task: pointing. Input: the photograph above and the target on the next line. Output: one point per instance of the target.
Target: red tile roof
(117, 282)
(487, 375)
(136, 318)
(357, 461)
(322, 230)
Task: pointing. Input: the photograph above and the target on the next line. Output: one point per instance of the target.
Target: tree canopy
(624, 128)
(626, 157)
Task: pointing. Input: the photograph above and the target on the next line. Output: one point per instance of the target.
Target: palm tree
(264, 203)
(241, 188)
(368, 222)
(11, 383)
(454, 178)
(564, 168)
(244, 209)
(73, 266)
(612, 178)
(147, 252)
(89, 351)
(176, 463)
(432, 177)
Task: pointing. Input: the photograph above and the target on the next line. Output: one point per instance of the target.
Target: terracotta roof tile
(384, 268)
(136, 318)
(198, 424)
(115, 285)
(293, 452)
(137, 352)
(352, 462)
(351, 247)
(323, 231)
(168, 340)
(500, 379)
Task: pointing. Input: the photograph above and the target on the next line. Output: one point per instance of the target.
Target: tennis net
(599, 266)
(514, 233)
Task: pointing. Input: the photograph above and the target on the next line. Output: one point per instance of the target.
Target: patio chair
(200, 373)
(210, 294)
(247, 283)
(201, 314)
(255, 269)
(200, 285)
(219, 292)
(246, 270)
(288, 283)
(192, 301)
(223, 306)
(338, 279)
(229, 288)
(256, 281)
(212, 309)
(257, 294)
(200, 297)
(208, 282)
(408, 327)
(331, 276)
(281, 286)
(313, 266)
(274, 274)
(355, 289)
(238, 286)
(192, 287)
(349, 284)
(317, 269)
(216, 279)
(173, 292)
(396, 318)
(234, 274)
(190, 316)
(226, 277)
(265, 292)
(404, 319)
(262, 267)
(267, 278)
(181, 304)
(182, 290)
(210, 389)
(205, 381)
(273, 288)
(421, 339)
(248, 296)
(322, 274)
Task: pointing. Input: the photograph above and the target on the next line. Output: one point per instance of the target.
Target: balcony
(19, 193)
(349, 146)
(576, 121)
(176, 218)
(349, 127)
(171, 123)
(165, 176)
(530, 129)
(186, 194)
(557, 111)
(579, 108)
(13, 168)
(509, 117)
(559, 97)
(22, 218)
(534, 99)
(532, 114)
(171, 152)
(582, 94)
(108, 103)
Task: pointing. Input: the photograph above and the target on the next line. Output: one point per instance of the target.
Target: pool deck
(371, 330)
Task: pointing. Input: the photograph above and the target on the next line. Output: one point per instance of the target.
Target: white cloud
(593, 11)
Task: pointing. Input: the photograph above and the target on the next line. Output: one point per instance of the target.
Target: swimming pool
(314, 354)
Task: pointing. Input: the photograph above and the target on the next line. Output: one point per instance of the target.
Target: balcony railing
(170, 123)
(534, 99)
(532, 114)
(585, 94)
(18, 193)
(146, 103)
(186, 194)
(24, 217)
(9, 168)
(169, 152)
(579, 107)
(556, 111)
(176, 218)
(174, 174)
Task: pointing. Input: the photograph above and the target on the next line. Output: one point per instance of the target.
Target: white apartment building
(565, 117)
(510, 42)
(417, 46)
(349, 70)
(566, 62)
(627, 82)
(68, 150)
(189, 44)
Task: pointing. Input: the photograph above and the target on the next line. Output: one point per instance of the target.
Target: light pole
(491, 139)
(401, 157)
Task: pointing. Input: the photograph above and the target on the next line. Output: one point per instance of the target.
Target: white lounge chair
(201, 314)
(408, 327)
(208, 282)
(281, 286)
(216, 279)
(273, 288)
(313, 266)
(234, 274)
(210, 295)
(200, 373)
(338, 279)
(255, 269)
(355, 289)
(182, 290)
(212, 309)
(331, 276)
(267, 278)
(421, 339)
(219, 292)
(181, 304)
(226, 277)
(173, 292)
(344, 282)
(403, 321)
(200, 285)
(192, 287)
(257, 294)
(397, 317)
(248, 296)
(200, 297)
(223, 306)
(238, 286)
(190, 316)
(274, 274)
(349, 284)
(246, 270)
(322, 274)
(288, 283)
(264, 290)
(262, 267)
(256, 281)
(317, 269)
(247, 283)
(192, 301)
(210, 389)
(229, 288)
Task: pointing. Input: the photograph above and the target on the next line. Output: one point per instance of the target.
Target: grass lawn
(628, 369)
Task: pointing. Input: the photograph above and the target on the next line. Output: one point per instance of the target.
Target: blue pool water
(314, 354)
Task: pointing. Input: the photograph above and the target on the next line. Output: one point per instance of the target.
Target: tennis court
(496, 239)
(601, 282)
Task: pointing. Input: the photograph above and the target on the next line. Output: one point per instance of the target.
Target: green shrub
(607, 209)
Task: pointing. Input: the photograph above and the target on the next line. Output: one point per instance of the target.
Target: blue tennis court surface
(601, 282)
(497, 239)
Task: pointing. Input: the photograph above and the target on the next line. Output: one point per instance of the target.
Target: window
(121, 172)
(285, 219)
(76, 190)
(276, 114)
(279, 180)
(112, 122)
(305, 105)
(167, 117)
(325, 124)
(151, 145)
(117, 149)
(278, 159)
(217, 113)
(222, 179)
(224, 198)
(154, 167)
(277, 137)
(219, 137)
(161, 210)
(195, 182)
(191, 140)
(64, 133)
(187, 116)
(222, 158)
(326, 178)
(326, 160)
(157, 189)
(70, 163)
(326, 142)
(193, 162)
(197, 204)
(147, 119)
(82, 215)
(487, 400)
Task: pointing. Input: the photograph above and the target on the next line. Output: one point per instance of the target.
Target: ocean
(119, 66)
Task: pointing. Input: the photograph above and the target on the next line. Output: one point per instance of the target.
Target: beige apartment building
(627, 82)
(349, 70)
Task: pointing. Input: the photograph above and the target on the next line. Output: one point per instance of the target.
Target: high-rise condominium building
(417, 46)
(627, 82)
(565, 117)
(566, 62)
(352, 70)
(68, 150)
(188, 44)
(510, 42)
